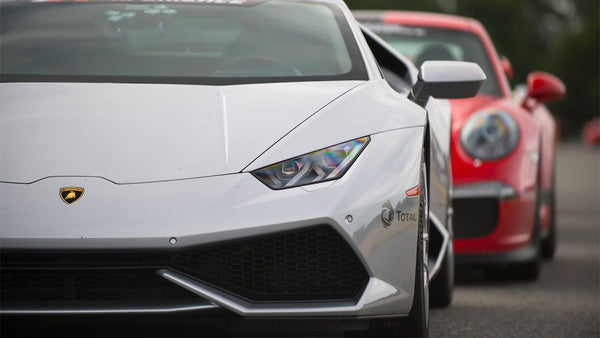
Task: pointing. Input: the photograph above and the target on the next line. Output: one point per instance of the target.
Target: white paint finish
(440, 119)
(225, 126)
(440, 167)
(370, 108)
(451, 71)
(372, 303)
(142, 132)
(369, 60)
(410, 67)
(214, 209)
(138, 133)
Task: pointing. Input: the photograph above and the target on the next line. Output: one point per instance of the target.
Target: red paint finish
(507, 67)
(455, 23)
(519, 169)
(591, 132)
(515, 226)
(544, 87)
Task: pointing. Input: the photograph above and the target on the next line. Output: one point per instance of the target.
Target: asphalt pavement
(564, 302)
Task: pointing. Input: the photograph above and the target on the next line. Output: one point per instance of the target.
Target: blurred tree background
(557, 36)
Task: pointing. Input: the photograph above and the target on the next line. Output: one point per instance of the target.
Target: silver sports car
(265, 158)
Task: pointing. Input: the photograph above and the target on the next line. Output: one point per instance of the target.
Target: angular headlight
(316, 167)
(489, 135)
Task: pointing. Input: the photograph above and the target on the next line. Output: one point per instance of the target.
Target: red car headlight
(489, 135)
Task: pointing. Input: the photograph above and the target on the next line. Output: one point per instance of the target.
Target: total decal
(388, 215)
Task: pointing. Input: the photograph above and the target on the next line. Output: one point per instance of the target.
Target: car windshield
(424, 43)
(224, 42)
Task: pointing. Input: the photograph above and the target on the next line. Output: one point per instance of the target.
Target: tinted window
(423, 43)
(241, 42)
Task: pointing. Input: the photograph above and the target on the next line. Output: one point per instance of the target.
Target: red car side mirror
(545, 87)
(507, 67)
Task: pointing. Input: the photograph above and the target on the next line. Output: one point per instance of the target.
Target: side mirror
(507, 67)
(447, 80)
(545, 87)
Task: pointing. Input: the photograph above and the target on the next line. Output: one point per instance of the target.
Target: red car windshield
(225, 42)
(425, 43)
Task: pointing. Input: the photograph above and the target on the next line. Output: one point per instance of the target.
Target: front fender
(518, 169)
(439, 158)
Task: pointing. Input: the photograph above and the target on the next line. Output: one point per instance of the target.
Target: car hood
(463, 107)
(132, 133)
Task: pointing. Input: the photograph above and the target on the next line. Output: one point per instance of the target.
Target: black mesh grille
(84, 260)
(305, 265)
(62, 288)
(474, 217)
(312, 264)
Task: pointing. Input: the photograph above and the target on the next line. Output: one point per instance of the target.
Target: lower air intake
(310, 264)
(306, 265)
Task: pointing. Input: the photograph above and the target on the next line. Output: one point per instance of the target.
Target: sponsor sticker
(382, 28)
(388, 215)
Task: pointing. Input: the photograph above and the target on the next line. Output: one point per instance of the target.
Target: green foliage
(557, 36)
(577, 62)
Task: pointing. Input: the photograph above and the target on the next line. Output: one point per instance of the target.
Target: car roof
(224, 2)
(421, 19)
(438, 20)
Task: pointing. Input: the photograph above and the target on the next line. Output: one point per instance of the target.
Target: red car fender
(547, 126)
(519, 169)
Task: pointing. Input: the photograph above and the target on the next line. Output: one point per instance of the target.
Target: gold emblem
(71, 195)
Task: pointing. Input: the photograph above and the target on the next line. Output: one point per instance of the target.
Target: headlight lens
(489, 135)
(319, 166)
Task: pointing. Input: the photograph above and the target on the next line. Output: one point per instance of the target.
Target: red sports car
(502, 143)
(591, 133)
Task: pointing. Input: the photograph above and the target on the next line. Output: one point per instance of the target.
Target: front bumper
(492, 218)
(168, 218)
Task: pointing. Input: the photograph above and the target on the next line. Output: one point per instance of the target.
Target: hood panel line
(143, 133)
(299, 124)
(225, 125)
(117, 183)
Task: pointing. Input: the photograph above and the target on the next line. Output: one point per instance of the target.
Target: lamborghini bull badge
(71, 195)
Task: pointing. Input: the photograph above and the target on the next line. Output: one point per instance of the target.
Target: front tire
(442, 285)
(417, 323)
(531, 270)
(549, 243)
